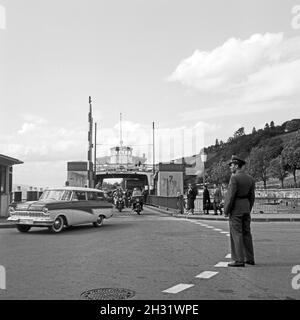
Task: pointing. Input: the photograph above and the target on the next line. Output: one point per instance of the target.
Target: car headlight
(12, 210)
(45, 210)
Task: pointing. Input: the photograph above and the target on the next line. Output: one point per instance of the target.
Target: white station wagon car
(62, 207)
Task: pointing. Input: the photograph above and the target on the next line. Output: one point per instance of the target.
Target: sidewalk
(6, 224)
(256, 217)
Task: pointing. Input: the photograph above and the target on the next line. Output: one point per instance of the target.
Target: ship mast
(121, 141)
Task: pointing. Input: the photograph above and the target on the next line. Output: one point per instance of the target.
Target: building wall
(77, 178)
(170, 183)
(4, 190)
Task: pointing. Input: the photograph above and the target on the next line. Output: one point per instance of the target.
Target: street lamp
(203, 159)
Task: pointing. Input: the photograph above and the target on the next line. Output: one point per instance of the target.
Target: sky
(198, 69)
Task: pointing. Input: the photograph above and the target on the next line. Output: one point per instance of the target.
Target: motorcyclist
(136, 194)
(118, 194)
(127, 197)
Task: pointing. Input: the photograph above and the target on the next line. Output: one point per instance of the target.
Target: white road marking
(209, 227)
(228, 256)
(206, 274)
(218, 229)
(228, 235)
(221, 264)
(178, 288)
(225, 232)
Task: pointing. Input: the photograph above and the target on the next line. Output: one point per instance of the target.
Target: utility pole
(121, 141)
(95, 153)
(153, 151)
(90, 140)
(153, 155)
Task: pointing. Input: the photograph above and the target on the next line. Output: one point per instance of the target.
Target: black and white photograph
(149, 151)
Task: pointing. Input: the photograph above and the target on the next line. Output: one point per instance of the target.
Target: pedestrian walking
(145, 194)
(217, 199)
(180, 202)
(98, 185)
(206, 200)
(191, 197)
(239, 201)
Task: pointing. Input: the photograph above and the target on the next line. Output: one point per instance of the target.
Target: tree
(230, 140)
(291, 155)
(266, 126)
(258, 163)
(272, 125)
(253, 130)
(217, 143)
(292, 125)
(240, 132)
(219, 172)
(274, 147)
(278, 169)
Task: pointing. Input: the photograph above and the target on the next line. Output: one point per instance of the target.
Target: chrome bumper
(31, 221)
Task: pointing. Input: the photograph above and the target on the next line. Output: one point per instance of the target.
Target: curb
(200, 217)
(7, 225)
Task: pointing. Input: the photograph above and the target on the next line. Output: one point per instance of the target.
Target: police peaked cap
(236, 160)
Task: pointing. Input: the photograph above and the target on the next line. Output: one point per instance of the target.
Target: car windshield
(56, 195)
(136, 193)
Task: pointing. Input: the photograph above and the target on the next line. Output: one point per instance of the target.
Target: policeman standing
(238, 205)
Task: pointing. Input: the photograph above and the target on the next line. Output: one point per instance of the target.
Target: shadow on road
(80, 229)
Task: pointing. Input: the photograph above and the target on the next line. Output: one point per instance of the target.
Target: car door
(81, 212)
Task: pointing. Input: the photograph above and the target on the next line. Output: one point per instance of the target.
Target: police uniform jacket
(240, 195)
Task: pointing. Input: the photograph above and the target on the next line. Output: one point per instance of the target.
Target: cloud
(42, 141)
(229, 65)
(27, 127)
(46, 148)
(243, 75)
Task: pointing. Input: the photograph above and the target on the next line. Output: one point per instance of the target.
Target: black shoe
(250, 262)
(236, 264)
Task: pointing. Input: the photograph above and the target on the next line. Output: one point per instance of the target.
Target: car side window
(74, 196)
(100, 196)
(92, 195)
(81, 195)
(66, 196)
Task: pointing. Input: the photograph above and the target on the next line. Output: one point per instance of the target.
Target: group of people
(239, 201)
(216, 205)
(128, 196)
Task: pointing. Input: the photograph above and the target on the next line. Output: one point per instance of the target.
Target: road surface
(154, 255)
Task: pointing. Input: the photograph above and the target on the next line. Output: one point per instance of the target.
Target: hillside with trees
(271, 153)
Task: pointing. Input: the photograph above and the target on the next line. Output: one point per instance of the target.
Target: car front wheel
(58, 225)
(23, 228)
(99, 222)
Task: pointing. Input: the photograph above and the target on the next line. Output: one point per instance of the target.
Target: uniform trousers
(240, 237)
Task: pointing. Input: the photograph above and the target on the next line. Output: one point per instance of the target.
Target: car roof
(76, 189)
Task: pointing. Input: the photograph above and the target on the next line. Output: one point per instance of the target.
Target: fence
(276, 205)
(20, 196)
(261, 205)
(165, 202)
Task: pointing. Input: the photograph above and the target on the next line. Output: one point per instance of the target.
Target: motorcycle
(137, 206)
(127, 201)
(120, 203)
